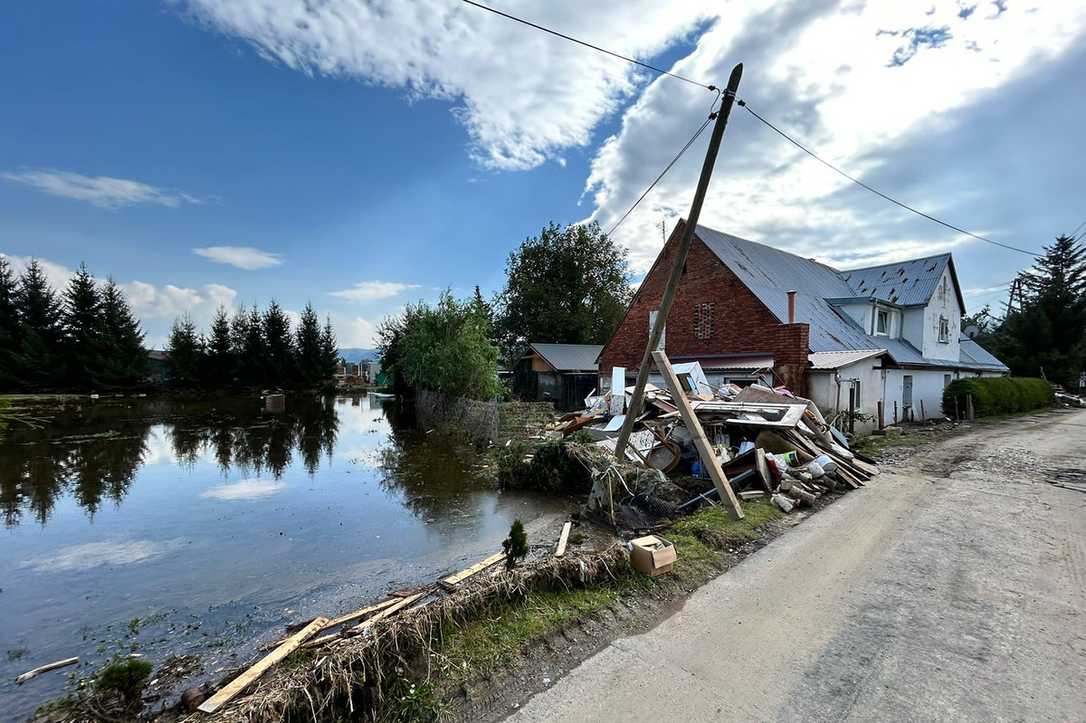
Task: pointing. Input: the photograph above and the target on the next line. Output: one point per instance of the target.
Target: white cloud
(243, 257)
(825, 75)
(523, 96)
(246, 489)
(102, 191)
(57, 274)
(373, 290)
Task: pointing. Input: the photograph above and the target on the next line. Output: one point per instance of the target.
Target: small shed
(562, 373)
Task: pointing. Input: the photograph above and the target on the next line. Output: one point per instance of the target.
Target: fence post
(923, 418)
(969, 407)
(957, 411)
(895, 411)
(881, 423)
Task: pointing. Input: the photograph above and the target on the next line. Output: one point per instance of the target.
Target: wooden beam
(45, 669)
(705, 450)
(477, 567)
(361, 627)
(562, 540)
(240, 683)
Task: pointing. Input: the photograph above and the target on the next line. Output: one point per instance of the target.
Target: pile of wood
(751, 442)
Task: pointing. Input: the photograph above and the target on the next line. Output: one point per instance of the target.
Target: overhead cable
(877, 192)
(597, 48)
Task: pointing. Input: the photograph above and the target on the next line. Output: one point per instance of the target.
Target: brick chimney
(791, 307)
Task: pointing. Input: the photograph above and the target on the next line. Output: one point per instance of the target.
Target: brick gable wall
(741, 323)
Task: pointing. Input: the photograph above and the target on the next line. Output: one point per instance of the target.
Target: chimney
(791, 307)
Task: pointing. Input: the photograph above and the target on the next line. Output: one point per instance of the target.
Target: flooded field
(202, 528)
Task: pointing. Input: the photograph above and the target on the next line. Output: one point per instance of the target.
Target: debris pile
(710, 443)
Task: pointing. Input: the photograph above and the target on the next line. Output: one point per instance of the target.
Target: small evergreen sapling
(516, 545)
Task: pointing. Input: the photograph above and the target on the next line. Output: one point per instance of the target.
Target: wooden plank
(563, 539)
(362, 612)
(477, 567)
(45, 669)
(401, 604)
(705, 450)
(240, 683)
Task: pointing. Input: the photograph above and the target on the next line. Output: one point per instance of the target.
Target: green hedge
(997, 395)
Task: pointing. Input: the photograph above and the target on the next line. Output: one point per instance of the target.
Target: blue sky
(207, 152)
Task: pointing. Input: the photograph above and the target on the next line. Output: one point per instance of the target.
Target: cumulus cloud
(373, 290)
(523, 96)
(824, 71)
(57, 274)
(102, 191)
(168, 301)
(242, 257)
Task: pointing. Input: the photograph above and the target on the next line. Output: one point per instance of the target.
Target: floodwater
(169, 528)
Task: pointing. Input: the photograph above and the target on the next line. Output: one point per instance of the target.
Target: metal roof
(569, 357)
(770, 273)
(719, 362)
(907, 283)
(838, 359)
(974, 355)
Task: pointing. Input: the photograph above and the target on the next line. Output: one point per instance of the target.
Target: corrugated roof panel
(569, 357)
(838, 359)
(906, 282)
(973, 354)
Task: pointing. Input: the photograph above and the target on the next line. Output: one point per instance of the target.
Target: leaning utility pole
(680, 261)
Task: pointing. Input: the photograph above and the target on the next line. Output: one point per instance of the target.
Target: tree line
(84, 337)
(1043, 335)
(253, 348)
(567, 285)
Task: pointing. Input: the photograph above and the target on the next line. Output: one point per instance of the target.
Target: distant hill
(355, 354)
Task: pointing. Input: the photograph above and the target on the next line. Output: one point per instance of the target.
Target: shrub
(998, 395)
(125, 678)
(546, 467)
(516, 545)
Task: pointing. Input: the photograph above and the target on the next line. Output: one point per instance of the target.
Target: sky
(361, 155)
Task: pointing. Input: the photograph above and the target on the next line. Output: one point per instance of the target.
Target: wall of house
(823, 390)
(942, 306)
(741, 323)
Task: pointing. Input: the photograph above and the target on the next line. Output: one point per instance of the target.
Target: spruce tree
(186, 352)
(253, 354)
(40, 318)
(279, 343)
(220, 352)
(83, 330)
(9, 329)
(1049, 333)
(125, 358)
(329, 351)
(307, 346)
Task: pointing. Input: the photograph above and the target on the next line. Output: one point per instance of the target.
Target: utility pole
(680, 260)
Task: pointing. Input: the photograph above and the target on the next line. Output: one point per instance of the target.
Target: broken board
(240, 683)
(477, 567)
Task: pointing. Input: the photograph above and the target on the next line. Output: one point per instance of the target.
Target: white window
(946, 380)
(944, 330)
(882, 322)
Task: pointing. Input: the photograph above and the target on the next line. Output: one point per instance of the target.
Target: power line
(1075, 232)
(667, 168)
(597, 48)
(876, 191)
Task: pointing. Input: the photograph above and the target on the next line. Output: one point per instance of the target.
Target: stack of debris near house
(765, 443)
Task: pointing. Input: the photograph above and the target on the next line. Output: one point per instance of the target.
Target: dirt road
(953, 588)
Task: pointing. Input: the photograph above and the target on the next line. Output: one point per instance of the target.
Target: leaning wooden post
(680, 260)
(923, 418)
(705, 450)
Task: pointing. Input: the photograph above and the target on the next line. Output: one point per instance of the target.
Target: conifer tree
(9, 328)
(253, 354)
(279, 344)
(186, 352)
(329, 351)
(125, 358)
(40, 320)
(220, 352)
(307, 346)
(83, 330)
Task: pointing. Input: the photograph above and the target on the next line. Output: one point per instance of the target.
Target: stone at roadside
(192, 698)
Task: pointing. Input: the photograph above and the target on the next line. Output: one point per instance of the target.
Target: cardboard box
(652, 555)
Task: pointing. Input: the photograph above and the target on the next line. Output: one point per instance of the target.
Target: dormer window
(882, 322)
(944, 330)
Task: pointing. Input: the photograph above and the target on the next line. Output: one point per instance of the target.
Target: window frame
(882, 315)
(944, 330)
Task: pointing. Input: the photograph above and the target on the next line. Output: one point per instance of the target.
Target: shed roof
(976, 356)
(569, 357)
(837, 359)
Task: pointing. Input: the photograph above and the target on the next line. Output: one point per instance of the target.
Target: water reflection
(93, 452)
